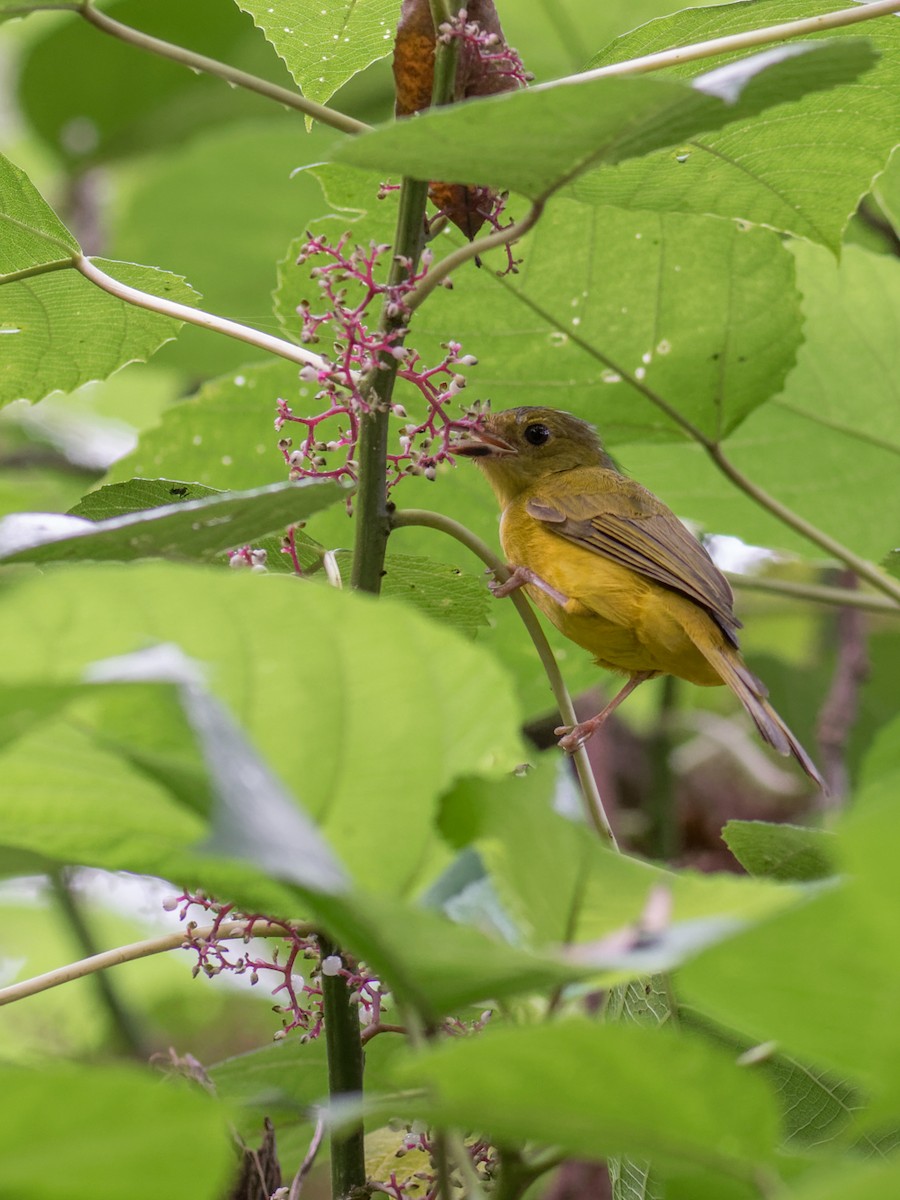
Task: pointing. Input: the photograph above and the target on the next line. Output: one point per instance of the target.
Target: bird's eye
(537, 434)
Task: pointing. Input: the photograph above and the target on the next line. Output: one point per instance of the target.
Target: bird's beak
(482, 444)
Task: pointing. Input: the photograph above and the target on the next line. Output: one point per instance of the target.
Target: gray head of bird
(519, 446)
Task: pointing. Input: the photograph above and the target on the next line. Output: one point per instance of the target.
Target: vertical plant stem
(373, 525)
(345, 1077)
(124, 1024)
(372, 516)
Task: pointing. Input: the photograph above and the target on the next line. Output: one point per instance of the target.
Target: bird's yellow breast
(628, 622)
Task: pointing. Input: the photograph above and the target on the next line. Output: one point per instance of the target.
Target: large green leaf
(583, 124)
(324, 47)
(830, 441)
(101, 1128)
(95, 98)
(367, 710)
(783, 981)
(64, 332)
(193, 530)
(33, 235)
(802, 168)
(648, 1092)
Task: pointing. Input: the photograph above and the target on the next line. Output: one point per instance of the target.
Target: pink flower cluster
(493, 56)
(349, 287)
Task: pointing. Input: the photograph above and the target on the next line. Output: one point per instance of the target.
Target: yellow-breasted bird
(612, 567)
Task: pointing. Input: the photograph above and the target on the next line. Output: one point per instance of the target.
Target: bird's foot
(573, 736)
(519, 577)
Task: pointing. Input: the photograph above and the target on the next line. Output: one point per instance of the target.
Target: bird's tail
(753, 695)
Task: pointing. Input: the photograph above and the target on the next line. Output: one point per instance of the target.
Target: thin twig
(431, 520)
(866, 570)
(490, 241)
(307, 1164)
(816, 592)
(211, 66)
(135, 950)
(197, 316)
(733, 42)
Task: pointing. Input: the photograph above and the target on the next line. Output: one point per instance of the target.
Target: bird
(612, 567)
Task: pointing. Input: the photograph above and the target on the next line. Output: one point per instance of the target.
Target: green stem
(470, 250)
(593, 804)
(210, 66)
(373, 523)
(370, 503)
(345, 1077)
(124, 1023)
(61, 264)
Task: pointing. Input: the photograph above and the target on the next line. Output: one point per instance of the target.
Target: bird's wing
(630, 526)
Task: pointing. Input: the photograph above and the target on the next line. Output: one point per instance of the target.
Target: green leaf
(581, 125)
(442, 592)
(801, 169)
(64, 331)
(136, 495)
(838, 418)
(789, 852)
(664, 1096)
(33, 234)
(891, 563)
(102, 1129)
(324, 47)
(223, 436)
(96, 99)
(191, 530)
(337, 692)
(742, 983)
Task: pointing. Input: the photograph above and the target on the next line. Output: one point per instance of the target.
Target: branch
(733, 42)
(818, 593)
(211, 66)
(197, 316)
(431, 520)
(135, 950)
(500, 237)
(879, 579)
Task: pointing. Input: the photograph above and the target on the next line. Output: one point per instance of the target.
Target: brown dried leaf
(414, 49)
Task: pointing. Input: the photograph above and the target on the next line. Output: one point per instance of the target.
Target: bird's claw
(522, 576)
(571, 737)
